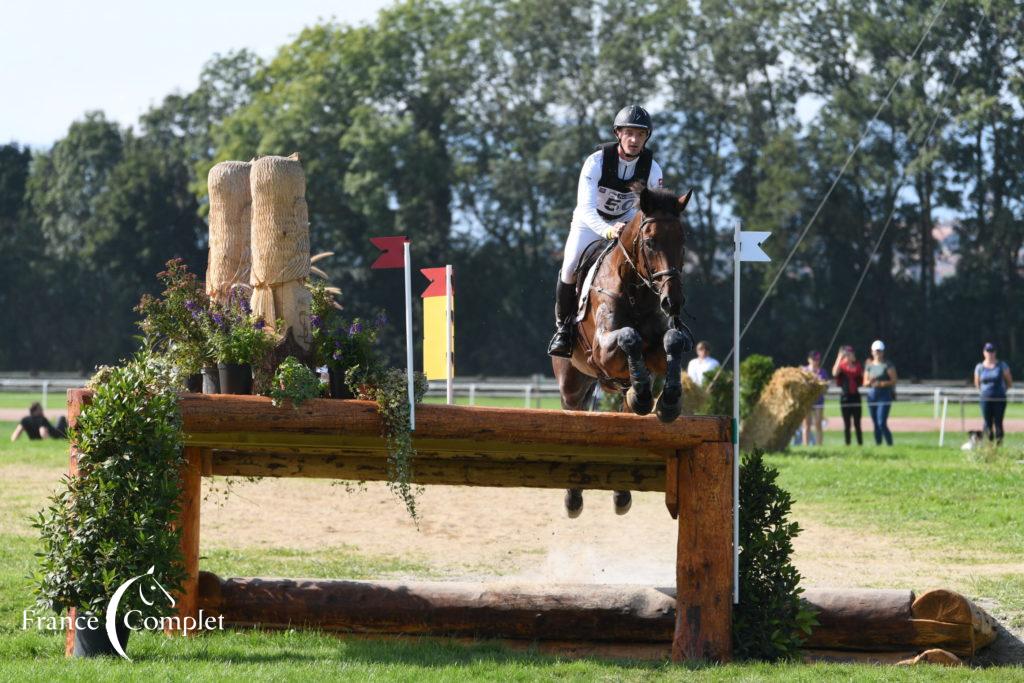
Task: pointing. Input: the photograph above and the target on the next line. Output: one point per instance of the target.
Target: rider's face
(631, 140)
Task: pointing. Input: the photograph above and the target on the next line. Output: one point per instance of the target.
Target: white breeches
(579, 239)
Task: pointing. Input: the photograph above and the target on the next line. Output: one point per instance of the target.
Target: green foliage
(294, 382)
(770, 621)
(468, 121)
(114, 520)
(719, 394)
(389, 387)
(175, 323)
(755, 373)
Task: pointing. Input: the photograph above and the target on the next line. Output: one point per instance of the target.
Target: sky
(60, 59)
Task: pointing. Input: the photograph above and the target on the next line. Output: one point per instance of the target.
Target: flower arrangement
(172, 323)
(238, 337)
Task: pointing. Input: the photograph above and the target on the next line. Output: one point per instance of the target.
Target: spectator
(849, 373)
(880, 378)
(36, 426)
(992, 378)
(812, 423)
(702, 364)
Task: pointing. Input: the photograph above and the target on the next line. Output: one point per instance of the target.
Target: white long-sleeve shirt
(585, 215)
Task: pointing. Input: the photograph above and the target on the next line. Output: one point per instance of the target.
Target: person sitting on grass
(38, 427)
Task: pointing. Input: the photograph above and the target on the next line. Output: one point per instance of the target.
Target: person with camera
(848, 373)
(880, 378)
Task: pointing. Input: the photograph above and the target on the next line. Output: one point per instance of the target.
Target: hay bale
(694, 397)
(230, 258)
(783, 404)
(280, 245)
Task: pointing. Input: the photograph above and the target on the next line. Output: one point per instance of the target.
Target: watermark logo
(115, 601)
(150, 592)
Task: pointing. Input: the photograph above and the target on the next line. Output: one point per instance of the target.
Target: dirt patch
(524, 534)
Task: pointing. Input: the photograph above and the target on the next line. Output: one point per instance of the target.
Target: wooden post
(188, 522)
(704, 555)
(77, 398)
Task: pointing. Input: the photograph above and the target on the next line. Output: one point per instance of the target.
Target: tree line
(464, 125)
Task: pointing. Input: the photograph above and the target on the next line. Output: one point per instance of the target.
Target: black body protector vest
(614, 196)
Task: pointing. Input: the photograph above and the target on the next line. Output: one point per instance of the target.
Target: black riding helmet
(634, 116)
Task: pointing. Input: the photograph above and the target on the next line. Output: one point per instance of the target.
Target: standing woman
(849, 374)
(992, 378)
(880, 378)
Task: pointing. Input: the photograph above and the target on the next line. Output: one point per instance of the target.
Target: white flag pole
(408, 336)
(736, 419)
(448, 329)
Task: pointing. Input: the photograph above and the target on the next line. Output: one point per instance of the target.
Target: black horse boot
(573, 502)
(565, 313)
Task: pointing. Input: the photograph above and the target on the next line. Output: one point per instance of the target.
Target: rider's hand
(613, 231)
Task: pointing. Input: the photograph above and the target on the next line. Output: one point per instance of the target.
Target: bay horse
(629, 330)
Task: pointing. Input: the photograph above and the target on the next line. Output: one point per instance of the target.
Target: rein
(650, 281)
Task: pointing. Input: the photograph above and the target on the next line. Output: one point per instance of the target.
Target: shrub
(114, 520)
(755, 373)
(770, 622)
(294, 382)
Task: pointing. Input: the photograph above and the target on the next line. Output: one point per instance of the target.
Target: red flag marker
(393, 251)
(437, 286)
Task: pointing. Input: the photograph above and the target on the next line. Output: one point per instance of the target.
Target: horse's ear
(640, 188)
(685, 199)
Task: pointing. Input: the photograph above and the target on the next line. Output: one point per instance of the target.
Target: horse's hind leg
(577, 392)
(670, 403)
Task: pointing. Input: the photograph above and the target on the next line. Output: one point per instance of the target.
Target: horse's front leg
(639, 397)
(670, 403)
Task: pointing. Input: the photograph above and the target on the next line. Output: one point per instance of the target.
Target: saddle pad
(594, 254)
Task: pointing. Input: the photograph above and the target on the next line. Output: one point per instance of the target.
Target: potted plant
(114, 521)
(239, 339)
(173, 322)
(294, 382)
(341, 343)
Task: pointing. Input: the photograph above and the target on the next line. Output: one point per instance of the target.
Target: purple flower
(191, 305)
(259, 324)
(316, 322)
(337, 355)
(218, 320)
(337, 344)
(244, 305)
(355, 328)
(382, 320)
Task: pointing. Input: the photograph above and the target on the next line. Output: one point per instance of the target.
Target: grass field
(901, 409)
(969, 508)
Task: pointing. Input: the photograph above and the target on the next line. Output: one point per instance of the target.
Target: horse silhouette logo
(150, 591)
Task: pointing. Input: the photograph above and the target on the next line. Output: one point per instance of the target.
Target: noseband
(651, 281)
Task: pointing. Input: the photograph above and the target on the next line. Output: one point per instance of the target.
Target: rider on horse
(605, 203)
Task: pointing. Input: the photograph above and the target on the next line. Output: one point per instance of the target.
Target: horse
(629, 330)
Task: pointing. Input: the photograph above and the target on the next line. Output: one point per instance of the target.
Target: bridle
(652, 280)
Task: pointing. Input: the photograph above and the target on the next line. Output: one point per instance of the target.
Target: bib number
(614, 203)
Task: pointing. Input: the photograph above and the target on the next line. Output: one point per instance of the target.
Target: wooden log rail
(690, 460)
(850, 620)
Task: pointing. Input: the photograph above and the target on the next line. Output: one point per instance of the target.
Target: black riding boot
(565, 313)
